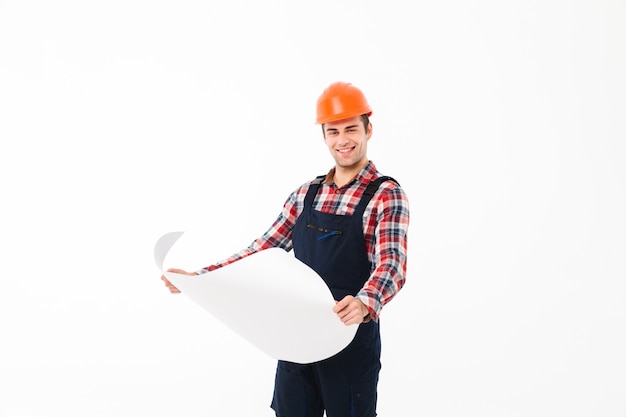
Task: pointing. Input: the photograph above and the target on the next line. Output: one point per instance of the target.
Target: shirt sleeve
(388, 251)
(277, 236)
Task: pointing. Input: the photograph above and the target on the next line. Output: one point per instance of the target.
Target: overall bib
(345, 384)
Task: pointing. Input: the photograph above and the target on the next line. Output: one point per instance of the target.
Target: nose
(342, 139)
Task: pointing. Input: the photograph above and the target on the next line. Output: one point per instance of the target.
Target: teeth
(343, 150)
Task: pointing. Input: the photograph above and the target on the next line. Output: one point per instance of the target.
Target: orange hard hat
(341, 101)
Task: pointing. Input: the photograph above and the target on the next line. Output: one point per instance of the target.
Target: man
(350, 226)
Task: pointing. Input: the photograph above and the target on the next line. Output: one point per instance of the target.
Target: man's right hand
(171, 286)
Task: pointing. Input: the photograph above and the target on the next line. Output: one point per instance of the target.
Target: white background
(124, 120)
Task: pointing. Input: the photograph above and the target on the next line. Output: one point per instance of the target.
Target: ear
(369, 131)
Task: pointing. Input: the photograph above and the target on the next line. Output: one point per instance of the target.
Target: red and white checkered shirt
(385, 226)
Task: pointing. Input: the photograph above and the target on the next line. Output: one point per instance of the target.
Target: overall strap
(369, 192)
(312, 192)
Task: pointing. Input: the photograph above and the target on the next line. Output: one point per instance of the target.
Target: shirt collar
(367, 174)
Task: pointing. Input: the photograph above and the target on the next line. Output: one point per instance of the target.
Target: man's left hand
(351, 310)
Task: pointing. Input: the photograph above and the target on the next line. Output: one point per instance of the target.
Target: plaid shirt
(385, 225)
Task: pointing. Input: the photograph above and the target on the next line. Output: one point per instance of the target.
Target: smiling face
(347, 142)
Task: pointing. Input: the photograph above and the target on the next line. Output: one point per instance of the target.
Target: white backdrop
(124, 120)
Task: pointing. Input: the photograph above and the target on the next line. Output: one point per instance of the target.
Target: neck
(343, 175)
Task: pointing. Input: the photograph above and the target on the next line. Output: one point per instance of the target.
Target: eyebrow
(347, 127)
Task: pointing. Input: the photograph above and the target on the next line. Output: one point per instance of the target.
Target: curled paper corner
(163, 246)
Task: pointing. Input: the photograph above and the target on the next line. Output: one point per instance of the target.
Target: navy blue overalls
(345, 384)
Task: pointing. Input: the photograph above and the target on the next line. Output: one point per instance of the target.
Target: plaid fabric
(385, 226)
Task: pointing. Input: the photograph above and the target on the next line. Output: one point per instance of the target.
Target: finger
(170, 286)
(351, 315)
(345, 314)
(349, 320)
(340, 305)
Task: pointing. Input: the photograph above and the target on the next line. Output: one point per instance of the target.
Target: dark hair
(364, 118)
(366, 121)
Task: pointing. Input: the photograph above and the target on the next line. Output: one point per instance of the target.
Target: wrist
(365, 312)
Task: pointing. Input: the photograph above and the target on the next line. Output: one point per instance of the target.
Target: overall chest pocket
(324, 233)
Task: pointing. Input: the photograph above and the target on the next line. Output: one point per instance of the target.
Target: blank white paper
(271, 299)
